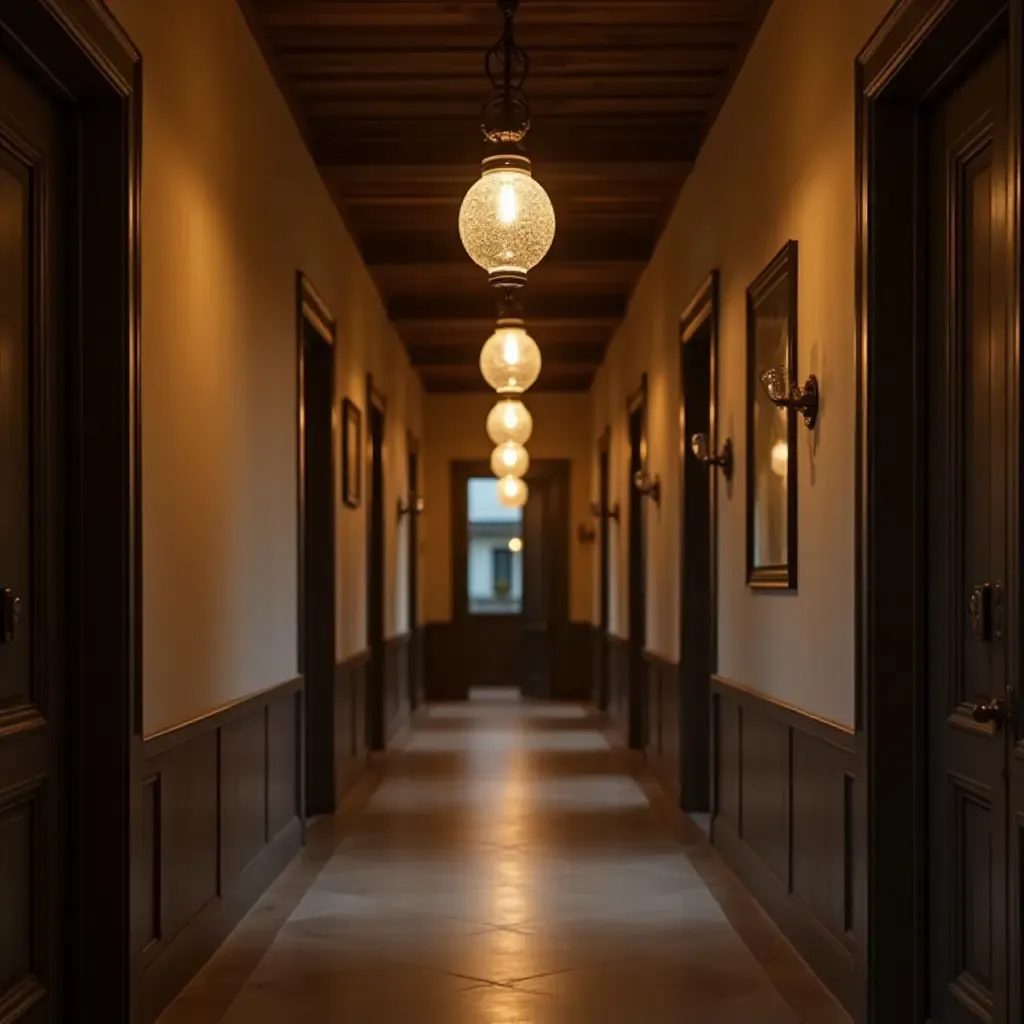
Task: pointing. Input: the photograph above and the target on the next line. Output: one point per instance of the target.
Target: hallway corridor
(505, 866)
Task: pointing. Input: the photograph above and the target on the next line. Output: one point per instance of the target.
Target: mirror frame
(781, 272)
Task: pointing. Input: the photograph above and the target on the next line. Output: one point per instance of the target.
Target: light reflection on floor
(508, 869)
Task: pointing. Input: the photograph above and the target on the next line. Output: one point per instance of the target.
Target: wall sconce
(611, 513)
(586, 534)
(791, 396)
(701, 448)
(649, 486)
(413, 504)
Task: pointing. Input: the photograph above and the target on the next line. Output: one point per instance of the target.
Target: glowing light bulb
(509, 420)
(510, 349)
(508, 456)
(512, 492)
(508, 204)
(511, 417)
(510, 460)
(515, 545)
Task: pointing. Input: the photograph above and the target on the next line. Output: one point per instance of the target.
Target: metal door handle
(10, 613)
(980, 608)
(995, 710)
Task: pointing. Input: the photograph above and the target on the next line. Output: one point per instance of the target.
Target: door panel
(969, 375)
(31, 566)
(537, 581)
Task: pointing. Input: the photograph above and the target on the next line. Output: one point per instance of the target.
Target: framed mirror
(772, 431)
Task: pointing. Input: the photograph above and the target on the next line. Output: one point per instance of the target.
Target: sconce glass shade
(510, 359)
(780, 458)
(509, 420)
(510, 459)
(507, 222)
(776, 383)
(512, 492)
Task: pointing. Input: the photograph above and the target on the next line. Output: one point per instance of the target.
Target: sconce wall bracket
(648, 486)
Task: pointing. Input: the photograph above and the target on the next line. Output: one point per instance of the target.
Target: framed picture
(351, 453)
(771, 430)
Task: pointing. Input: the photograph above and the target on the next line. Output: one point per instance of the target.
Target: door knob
(995, 710)
(10, 613)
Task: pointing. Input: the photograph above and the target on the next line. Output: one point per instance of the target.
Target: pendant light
(510, 359)
(512, 492)
(510, 459)
(509, 420)
(506, 222)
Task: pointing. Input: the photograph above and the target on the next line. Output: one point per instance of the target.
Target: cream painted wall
(778, 164)
(454, 431)
(232, 207)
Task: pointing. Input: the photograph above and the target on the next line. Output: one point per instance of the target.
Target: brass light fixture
(701, 448)
(506, 221)
(787, 395)
(648, 486)
(412, 505)
(612, 512)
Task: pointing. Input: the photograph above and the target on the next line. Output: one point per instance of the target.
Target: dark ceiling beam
(466, 330)
(553, 353)
(567, 382)
(411, 178)
(394, 248)
(541, 107)
(480, 305)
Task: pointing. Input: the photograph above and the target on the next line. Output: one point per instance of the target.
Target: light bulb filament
(511, 350)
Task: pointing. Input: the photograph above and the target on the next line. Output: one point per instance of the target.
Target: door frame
(636, 404)
(376, 589)
(80, 52)
(696, 735)
(312, 310)
(918, 45)
(413, 483)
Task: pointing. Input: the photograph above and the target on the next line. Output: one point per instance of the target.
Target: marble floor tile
(508, 866)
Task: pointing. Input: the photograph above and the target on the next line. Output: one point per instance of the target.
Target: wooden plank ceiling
(388, 95)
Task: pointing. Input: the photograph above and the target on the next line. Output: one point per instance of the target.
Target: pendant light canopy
(512, 492)
(507, 222)
(510, 459)
(510, 359)
(509, 420)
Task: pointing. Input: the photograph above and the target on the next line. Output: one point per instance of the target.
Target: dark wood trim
(351, 753)
(77, 50)
(663, 732)
(636, 563)
(312, 312)
(785, 262)
(178, 735)
(784, 784)
(604, 448)
(619, 711)
(225, 821)
(398, 651)
(918, 47)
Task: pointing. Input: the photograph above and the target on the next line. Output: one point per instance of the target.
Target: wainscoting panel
(572, 677)
(664, 717)
(221, 818)
(599, 667)
(444, 671)
(397, 694)
(618, 686)
(783, 819)
(417, 667)
(350, 752)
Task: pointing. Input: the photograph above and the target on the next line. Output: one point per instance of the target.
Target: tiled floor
(506, 866)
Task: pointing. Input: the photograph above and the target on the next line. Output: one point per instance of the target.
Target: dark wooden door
(637, 588)
(317, 642)
(601, 696)
(697, 602)
(375, 710)
(415, 647)
(546, 665)
(969, 531)
(32, 683)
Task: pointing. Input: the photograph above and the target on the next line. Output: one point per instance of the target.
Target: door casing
(916, 49)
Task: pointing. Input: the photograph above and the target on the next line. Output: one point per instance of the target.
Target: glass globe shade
(509, 420)
(510, 359)
(510, 459)
(507, 222)
(512, 492)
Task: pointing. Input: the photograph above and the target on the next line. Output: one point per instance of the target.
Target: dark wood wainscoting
(398, 654)
(573, 677)
(350, 751)
(444, 677)
(664, 718)
(221, 808)
(599, 667)
(617, 653)
(783, 819)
